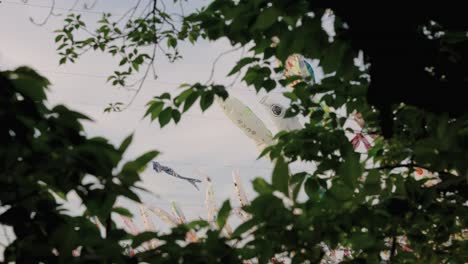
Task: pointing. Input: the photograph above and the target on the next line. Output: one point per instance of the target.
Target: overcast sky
(201, 141)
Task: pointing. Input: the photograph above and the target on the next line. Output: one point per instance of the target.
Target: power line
(103, 76)
(57, 8)
(142, 108)
(190, 164)
(247, 89)
(89, 75)
(202, 165)
(220, 118)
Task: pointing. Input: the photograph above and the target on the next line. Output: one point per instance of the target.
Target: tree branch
(216, 61)
(153, 56)
(393, 250)
(51, 13)
(391, 167)
(410, 166)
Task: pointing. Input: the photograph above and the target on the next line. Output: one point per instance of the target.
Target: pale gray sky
(207, 141)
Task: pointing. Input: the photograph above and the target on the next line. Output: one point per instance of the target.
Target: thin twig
(216, 61)
(168, 21)
(51, 12)
(136, 8)
(181, 8)
(163, 5)
(162, 49)
(141, 83)
(391, 167)
(393, 250)
(108, 230)
(153, 12)
(122, 36)
(238, 74)
(128, 87)
(145, 9)
(155, 75)
(91, 6)
(133, 8)
(74, 5)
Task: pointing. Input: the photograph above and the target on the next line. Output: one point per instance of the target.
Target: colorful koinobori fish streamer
(210, 202)
(175, 219)
(178, 213)
(95, 220)
(165, 216)
(361, 140)
(130, 225)
(277, 112)
(358, 139)
(367, 139)
(134, 231)
(297, 65)
(243, 117)
(177, 216)
(212, 208)
(191, 236)
(149, 226)
(334, 256)
(241, 195)
(160, 168)
(239, 188)
(402, 244)
(423, 174)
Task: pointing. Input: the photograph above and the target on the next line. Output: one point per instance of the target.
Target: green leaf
(143, 237)
(62, 46)
(351, 169)
(223, 214)
(123, 147)
(123, 61)
(206, 100)
(62, 195)
(269, 84)
(184, 85)
(261, 186)
(58, 38)
(135, 65)
(165, 116)
(190, 100)
(176, 115)
(155, 109)
(182, 97)
(122, 211)
(147, 157)
(244, 227)
(197, 224)
(373, 177)
(341, 192)
(31, 86)
(165, 96)
(265, 151)
(241, 64)
(171, 42)
(139, 163)
(333, 56)
(266, 18)
(280, 176)
(312, 189)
